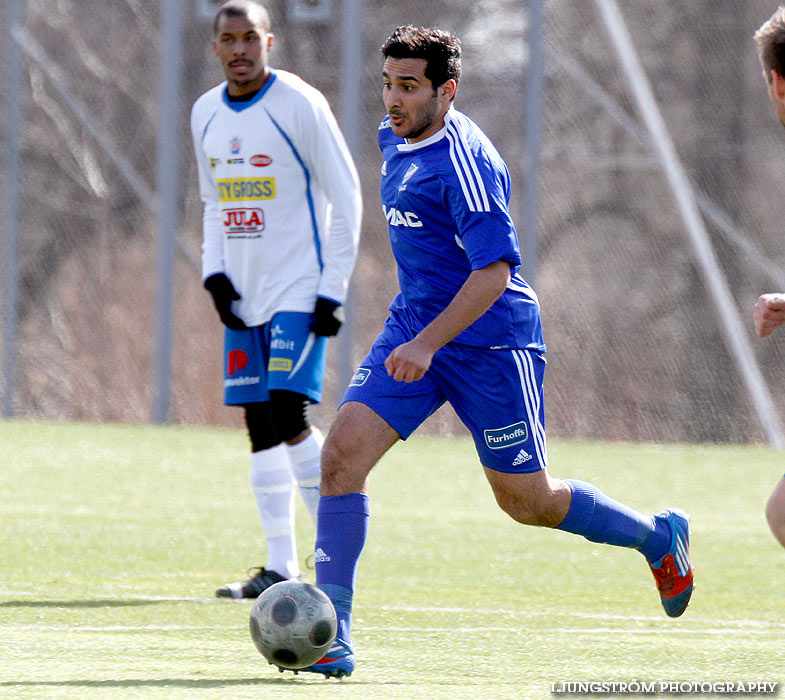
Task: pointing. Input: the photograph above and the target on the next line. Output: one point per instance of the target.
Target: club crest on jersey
(234, 144)
(407, 219)
(413, 168)
(244, 220)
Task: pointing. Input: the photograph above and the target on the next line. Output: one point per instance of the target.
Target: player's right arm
(212, 226)
(410, 361)
(214, 275)
(768, 314)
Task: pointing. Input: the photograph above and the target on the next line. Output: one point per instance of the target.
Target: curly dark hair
(441, 49)
(770, 39)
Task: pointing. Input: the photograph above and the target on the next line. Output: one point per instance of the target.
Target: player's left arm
(328, 158)
(410, 361)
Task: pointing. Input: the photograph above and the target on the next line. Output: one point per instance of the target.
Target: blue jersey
(446, 200)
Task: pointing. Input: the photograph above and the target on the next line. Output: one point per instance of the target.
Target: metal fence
(103, 314)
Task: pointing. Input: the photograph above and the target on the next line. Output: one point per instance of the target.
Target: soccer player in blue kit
(465, 328)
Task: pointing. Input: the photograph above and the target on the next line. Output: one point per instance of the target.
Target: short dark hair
(441, 49)
(770, 39)
(242, 8)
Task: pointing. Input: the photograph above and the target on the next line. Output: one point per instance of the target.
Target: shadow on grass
(282, 679)
(108, 603)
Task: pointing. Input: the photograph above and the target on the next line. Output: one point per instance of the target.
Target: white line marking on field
(45, 599)
(572, 631)
(480, 629)
(108, 628)
(580, 615)
(743, 625)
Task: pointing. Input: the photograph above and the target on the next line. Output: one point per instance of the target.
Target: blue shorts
(498, 394)
(281, 354)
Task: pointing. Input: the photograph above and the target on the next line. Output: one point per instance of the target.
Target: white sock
(273, 487)
(305, 458)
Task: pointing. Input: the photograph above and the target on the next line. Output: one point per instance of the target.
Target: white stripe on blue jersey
(466, 170)
(518, 284)
(459, 173)
(468, 156)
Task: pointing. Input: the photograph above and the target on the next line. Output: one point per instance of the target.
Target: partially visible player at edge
(465, 328)
(768, 314)
(282, 213)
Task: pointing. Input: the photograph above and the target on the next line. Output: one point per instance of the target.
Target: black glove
(224, 293)
(327, 317)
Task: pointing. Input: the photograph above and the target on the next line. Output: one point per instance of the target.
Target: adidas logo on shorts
(523, 456)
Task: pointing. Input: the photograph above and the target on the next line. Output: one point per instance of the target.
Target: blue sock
(601, 519)
(341, 530)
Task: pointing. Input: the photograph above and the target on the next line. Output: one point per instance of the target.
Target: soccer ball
(293, 624)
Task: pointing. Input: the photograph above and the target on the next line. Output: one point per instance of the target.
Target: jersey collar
(240, 106)
(431, 139)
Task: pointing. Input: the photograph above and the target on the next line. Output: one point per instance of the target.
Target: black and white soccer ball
(293, 624)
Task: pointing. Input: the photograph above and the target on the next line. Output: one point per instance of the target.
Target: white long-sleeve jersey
(281, 195)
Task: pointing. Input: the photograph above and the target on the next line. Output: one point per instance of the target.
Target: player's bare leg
(536, 498)
(357, 440)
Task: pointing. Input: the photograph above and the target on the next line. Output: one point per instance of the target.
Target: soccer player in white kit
(282, 212)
